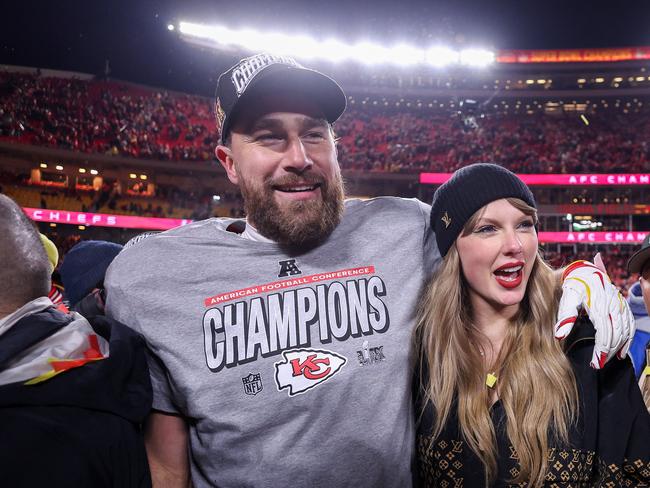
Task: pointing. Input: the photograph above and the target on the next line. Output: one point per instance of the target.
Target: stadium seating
(115, 118)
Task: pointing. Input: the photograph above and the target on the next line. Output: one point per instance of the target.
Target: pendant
(491, 380)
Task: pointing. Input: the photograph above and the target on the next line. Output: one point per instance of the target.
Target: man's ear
(224, 155)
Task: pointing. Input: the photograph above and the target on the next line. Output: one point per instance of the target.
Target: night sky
(80, 35)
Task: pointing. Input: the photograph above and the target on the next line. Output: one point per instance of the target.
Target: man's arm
(166, 439)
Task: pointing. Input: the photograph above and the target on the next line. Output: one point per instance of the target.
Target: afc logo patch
(288, 267)
(303, 369)
(252, 384)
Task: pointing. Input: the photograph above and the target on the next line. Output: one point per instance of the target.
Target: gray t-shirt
(291, 370)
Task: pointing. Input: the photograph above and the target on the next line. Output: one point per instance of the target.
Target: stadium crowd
(418, 141)
(102, 116)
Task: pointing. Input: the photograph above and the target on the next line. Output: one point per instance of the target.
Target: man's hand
(586, 286)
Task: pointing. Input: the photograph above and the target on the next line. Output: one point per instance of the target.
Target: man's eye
(314, 135)
(267, 137)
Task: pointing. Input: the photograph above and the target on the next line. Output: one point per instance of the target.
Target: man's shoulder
(387, 204)
(167, 247)
(208, 230)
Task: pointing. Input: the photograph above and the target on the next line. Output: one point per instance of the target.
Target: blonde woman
(501, 402)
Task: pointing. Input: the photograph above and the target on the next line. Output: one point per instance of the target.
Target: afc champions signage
(558, 179)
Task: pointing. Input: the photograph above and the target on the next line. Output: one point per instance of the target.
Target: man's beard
(300, 224)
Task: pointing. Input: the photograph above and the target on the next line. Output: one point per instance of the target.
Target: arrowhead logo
(303, 369)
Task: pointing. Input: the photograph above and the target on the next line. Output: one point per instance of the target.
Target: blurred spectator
(640, 298)
(56, 291)
(642, 335)
(73, 393)
(82, 273)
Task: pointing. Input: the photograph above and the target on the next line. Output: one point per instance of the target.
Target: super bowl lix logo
(303, 369)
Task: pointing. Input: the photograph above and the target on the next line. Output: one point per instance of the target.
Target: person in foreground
(281, 344)
(500, 401)
(73, 393)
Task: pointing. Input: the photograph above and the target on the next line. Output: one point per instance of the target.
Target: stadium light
(476, 57)
(333, 50)
(441, 56)
(305, 47)
(170, 27)
(368, 53)
(405, 55)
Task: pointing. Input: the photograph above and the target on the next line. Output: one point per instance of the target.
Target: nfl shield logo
(252, 384)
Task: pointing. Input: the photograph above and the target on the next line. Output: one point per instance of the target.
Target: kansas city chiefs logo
(303, 369)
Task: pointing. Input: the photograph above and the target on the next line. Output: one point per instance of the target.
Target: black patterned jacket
(608, 447)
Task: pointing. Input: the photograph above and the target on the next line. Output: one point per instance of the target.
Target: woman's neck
(492, 325)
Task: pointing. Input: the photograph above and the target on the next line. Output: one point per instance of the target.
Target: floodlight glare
(405, 55)
(368, 53)
(332, 50)
(476, 57)
(305, 47)
(441, 56)
(257, 41)
(170, 27)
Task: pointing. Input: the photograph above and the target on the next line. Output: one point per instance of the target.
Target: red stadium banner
(595, 208)
(606, 55)
(618, 237)
(558, 179)
(102, 220)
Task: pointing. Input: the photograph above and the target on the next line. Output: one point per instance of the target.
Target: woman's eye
(528, 224)
(484, 229)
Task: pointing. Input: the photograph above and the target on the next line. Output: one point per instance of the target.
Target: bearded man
(281, 345)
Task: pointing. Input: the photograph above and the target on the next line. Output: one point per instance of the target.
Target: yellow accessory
(51, 250)
(491, 380)
(646, 371)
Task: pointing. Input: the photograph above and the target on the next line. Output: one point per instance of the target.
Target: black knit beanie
(468, 190)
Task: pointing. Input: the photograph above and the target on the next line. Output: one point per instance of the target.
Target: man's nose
(297, 157)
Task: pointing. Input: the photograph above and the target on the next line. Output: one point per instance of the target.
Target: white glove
(587, 286)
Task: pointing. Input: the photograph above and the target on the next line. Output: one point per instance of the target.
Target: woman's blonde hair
(536, 383)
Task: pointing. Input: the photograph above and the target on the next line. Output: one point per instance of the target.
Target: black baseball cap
(638, 259)
(268, 74)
